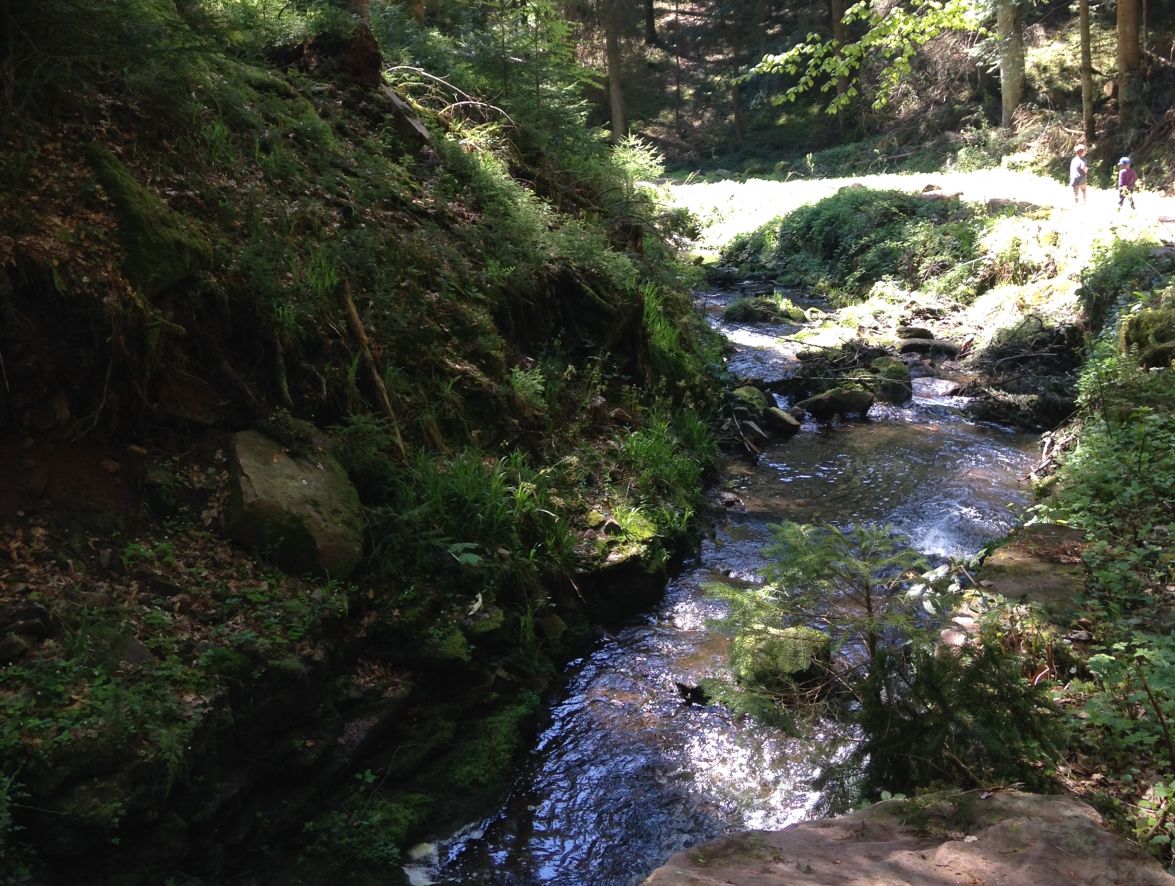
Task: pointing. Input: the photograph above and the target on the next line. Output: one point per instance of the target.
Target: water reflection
(626, 773)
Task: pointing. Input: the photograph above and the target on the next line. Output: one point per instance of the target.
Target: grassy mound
(845, 243)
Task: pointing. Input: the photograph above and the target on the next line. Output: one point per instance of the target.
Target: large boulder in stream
(759, 417)
(890, 380)
(838, 401)
(304, 513)
(931, 346)
(1003, 837)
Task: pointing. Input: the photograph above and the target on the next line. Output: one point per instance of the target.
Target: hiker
(1078, 170)
(1127, 179)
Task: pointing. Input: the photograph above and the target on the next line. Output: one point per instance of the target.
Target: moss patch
(162, 248)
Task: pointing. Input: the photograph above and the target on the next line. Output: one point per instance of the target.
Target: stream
(626, 772)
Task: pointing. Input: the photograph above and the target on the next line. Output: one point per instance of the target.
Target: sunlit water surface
(626, 773)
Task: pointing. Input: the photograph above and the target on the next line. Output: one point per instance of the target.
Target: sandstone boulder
(304, 513)
(838, 401)
(1006, 838)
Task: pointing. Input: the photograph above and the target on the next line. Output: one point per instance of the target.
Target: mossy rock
(448, 647)
(755, 399)
(304, 514)
(484, 755)
(1152, 333)
(769, 657)
(838, 401)
(162, 248)
(914, 332)
(777, 421)
(891, 380)
(1158, 356)
(928, 346)
(763, 309)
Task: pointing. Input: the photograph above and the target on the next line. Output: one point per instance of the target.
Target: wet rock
(914, 332)
(928, 346)
(779, 422)
(692, 694)
(838, 401)
(753, 397)
(1042, 564)
(891, 381)
(1010, 838)
(935, 387)
(729, 500)
(303, 513)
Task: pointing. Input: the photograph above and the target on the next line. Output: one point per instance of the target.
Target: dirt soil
(972, 839)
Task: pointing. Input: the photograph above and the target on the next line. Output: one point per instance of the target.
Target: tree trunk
(735, 62)
(677, 66)
(840, 35)
(650, 24)
(1129, 63)
(1086, 73)
(1010, 26)
(612, 52)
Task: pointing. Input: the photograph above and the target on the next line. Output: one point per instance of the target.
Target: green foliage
(891, 36)
(845, 243)
(845, 579)
(369, 833)
(668, 457)
(499, 510)
(12, 863)
(1116, 485)
(1154, 826)
(965, 717)
(926, 715)
(775, 308)
(1133, 700)
(162, 249)
(60, 49)
(484, 759)
(1118, 269)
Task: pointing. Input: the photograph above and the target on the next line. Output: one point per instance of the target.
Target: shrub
(849, 241)
(967, 715)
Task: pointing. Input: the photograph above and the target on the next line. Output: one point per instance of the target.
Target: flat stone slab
(976, 839)
(1042, 564)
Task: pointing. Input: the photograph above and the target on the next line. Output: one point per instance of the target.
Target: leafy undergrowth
(1115, 484)
(492, 335)
(846, 243)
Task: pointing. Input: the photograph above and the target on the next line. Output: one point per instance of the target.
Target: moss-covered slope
(203, 236)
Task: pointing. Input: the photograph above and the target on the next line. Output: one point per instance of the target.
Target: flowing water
(627, 772)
